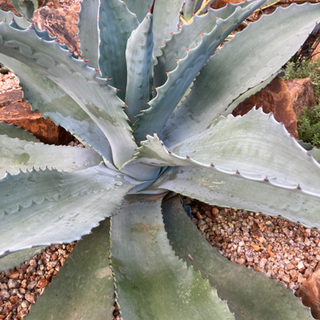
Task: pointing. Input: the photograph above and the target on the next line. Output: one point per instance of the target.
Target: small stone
(199, 216)
(241, 261)
(30, 297)
(14, 299)
(32, 284)
(300, 265)
(289, 266)
(4, 295)
(14, 275)
(12, 284)
(215, 211)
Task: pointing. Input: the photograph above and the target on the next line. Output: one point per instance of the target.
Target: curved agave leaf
(88, 31)
(94, 95)
(10, 16)
(15, 259)
(56, 207)
(244, 288)
(252, 91)
(241, 71)
(256, 146)
(152, 283)
(140, 10)
(16, 155)
(139, 67)
(315, 152)
(16, 132)
(225, 190)
(166, 20)
(179, 80)
(25, 7)
(85, 281)
(189, 37)
(54, 103)
(116, 23)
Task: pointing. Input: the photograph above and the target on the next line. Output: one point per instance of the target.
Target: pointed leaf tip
(152, 6)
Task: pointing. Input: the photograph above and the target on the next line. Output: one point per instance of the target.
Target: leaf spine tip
(211, 164)
(109, 79)
(187, 157)
(164, 40)
(85, 60)
(177, 60)
(97, 70)
(71, 51)
(202, 34)
(118, 89)
(188, 49)
(298, 186)
(308, 154)
(169, 152)
(217, 18)
(237, 172)
(167, 73)
(152, 6)
(266, 179)
(56, 40)
(171, 33)
(193, 14)
(126, 105)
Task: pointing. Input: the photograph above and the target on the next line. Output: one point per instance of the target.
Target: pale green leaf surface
(179, 80)
(25, 7)
(88, 31)
(228, 75)
(17, 258)
(93, 95)
(16, 155)
(256, 146)
(53, 102)
(56, 207)
(152, 283)
(251, 295)
(188, 9)
(225, 190)
(83, 288)
(189, 37)
(166, 20)
(141, 9)
(139, 63)
(9, 16)
(315, 152)
(16, 132)
(116, 23)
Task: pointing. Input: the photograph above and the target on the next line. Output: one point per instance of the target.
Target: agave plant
(142, 142)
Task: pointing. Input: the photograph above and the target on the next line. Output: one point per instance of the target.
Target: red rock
(13, 109)
(309, 293)
(221, 3)
(275, 98)
(60, 23)
(302, 94)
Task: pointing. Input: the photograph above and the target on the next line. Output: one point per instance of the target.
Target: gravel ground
(283, 250)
